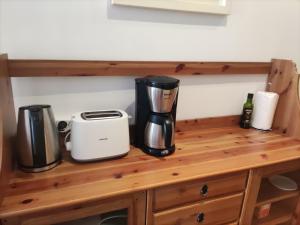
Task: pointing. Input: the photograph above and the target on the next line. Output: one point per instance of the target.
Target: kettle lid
(162, 82)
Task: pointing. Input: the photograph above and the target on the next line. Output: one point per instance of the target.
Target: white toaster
(99, 135)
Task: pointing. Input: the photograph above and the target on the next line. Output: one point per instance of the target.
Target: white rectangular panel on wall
(205, 6)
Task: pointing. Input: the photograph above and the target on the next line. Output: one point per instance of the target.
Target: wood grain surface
(216, 211)
(211, 122)
(199, 154)
(31, 68)
(134, 204)
(175, 195)
(2, 156)
(250, 198)
(8, 121)
(296, 219)
(284, 80)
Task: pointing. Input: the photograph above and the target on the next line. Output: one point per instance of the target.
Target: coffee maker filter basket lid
(34, 107)
(162, 82)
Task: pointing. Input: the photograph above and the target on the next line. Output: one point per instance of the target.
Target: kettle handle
(38, 137)
(168, 131)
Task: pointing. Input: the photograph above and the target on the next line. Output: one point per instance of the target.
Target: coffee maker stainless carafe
(37, 139)
(156, 102)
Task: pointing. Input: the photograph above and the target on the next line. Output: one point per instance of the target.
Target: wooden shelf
(270, 194)
(36, 68)
(282, 202)
(280, 213)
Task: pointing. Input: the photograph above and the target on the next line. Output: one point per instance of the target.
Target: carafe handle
(168, 132)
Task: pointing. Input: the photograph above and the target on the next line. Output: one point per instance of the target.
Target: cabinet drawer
(216, 211)
(178, 194)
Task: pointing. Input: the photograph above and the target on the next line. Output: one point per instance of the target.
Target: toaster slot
(101, 115)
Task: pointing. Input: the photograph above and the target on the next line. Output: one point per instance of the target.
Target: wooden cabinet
(205, 149)
(215, 200)
(133, 205)
(228, 199)
(260, 191)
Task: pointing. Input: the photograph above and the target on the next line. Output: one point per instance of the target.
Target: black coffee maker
(156, 103)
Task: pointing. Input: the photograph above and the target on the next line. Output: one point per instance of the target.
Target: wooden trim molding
(36, 68)
(8, 121)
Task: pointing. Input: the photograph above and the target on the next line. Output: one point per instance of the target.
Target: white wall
(199, 96)
(257, 30)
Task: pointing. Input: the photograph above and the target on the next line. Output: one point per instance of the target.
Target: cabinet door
(134, 205)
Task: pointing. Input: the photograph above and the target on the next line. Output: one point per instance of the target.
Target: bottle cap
(250, 96)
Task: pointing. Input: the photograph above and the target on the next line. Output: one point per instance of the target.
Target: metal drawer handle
(204, 190)
(200, 217)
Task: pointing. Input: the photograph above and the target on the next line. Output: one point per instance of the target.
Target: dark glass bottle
(247, 112)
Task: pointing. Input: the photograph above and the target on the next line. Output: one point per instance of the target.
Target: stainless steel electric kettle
(37, 139)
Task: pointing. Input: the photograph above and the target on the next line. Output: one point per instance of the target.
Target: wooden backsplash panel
(284, 80)
(8, 121)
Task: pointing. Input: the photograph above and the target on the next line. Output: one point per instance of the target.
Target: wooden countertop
(200, 153)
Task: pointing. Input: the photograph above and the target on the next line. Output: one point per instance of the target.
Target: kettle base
(40, 169)
(159, 152)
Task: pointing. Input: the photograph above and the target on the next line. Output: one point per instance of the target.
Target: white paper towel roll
(264, 109)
